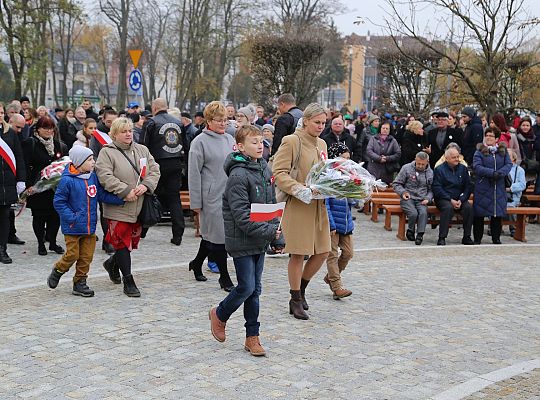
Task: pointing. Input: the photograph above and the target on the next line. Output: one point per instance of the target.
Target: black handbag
(152, 211)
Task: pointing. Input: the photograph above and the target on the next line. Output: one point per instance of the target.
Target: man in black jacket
(163, 137)
(287, 121)
(90, 113)
(441, 136)
(337, 132)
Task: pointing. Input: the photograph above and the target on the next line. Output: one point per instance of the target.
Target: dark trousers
(216, 253)
(12, 230)
(495, 223)
(168, 192)
(248, 273)
(46, 226)
(4, 223)
(447, 213)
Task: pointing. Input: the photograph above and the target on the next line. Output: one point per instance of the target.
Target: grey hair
(422, 155)
(449, 149)
(312, 110)
(453, 145)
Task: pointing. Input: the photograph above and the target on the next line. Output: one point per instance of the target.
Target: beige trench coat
(305, 226)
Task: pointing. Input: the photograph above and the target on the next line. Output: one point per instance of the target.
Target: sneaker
(80, 288)
(54, 278)
(212, 266)
(216, 325)
(253, 345)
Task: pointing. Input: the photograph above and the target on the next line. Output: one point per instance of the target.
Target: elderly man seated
(451, 189)
(413, 185)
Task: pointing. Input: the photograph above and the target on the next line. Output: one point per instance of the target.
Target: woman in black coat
(10, 183)
(414, 140)
(41, 149)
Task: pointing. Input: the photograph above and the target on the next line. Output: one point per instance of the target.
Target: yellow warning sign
(135, 57)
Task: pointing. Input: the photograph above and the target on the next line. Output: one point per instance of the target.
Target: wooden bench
(377, 203)
(186, 205)
(532, 198)
(520, 224)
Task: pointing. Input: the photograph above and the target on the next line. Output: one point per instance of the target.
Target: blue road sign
(135, 80)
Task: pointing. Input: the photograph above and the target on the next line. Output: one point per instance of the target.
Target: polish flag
(143, 164)
(102, 137)
(7, 154)
(266, 212)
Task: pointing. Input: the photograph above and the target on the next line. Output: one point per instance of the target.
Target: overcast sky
(374, 10)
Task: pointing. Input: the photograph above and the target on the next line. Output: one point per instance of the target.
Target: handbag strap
(127, 158)
(297, 160)
(515, 174)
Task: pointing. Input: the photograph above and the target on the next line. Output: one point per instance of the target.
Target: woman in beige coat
(305, 220)
(117, 175)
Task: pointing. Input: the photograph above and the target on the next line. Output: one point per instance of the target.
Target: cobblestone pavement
(421, 320)
(525, 386)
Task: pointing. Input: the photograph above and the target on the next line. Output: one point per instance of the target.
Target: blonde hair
(413, 126)
(118, 125)
(214, 109)
(175, 112)
(311, 111)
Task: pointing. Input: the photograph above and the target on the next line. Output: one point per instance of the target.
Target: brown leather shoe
(341, 293)
(295, 305)
(254, 346)
(216, 325)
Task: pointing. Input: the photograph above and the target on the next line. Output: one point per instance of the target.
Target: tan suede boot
(216, 325)
(253, 345)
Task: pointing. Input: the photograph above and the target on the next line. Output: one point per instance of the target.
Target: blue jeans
(248, 274)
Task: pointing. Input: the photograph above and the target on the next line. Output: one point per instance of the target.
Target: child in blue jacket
(76, 201)
(341, 229)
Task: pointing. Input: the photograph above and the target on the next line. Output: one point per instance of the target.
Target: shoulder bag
(151, 211)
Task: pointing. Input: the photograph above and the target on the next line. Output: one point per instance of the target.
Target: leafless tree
(117, 12)
(494, 30)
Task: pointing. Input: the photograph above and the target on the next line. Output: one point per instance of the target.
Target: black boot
(130, 289)
(42, 251)
(112, 268)
(80, 288)
(303, 285)
(57, 249)
(4, 257)
(224, 278)
(54, 278)
(295, 305)
(410, 235)
(197, 270)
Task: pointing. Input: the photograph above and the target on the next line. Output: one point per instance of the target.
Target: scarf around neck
(48, 143)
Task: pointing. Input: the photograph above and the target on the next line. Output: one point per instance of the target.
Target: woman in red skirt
(117, 175)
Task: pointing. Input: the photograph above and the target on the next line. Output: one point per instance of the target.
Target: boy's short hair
(247, 130)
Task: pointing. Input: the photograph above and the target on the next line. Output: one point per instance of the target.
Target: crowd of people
(229, 158)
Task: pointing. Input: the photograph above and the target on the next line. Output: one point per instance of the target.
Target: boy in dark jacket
(250, 181)
(341, 229)
(76, 200)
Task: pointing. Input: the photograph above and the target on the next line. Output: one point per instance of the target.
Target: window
(78, 87)
(78, 68)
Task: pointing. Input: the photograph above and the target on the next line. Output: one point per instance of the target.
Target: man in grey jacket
(413, 185)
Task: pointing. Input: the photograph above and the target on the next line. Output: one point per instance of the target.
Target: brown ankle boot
(341, 293)
(295, 305)
(216, 325)
(303, 286)
(254, 346)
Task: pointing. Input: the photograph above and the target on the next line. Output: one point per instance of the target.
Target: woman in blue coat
(491, 164)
